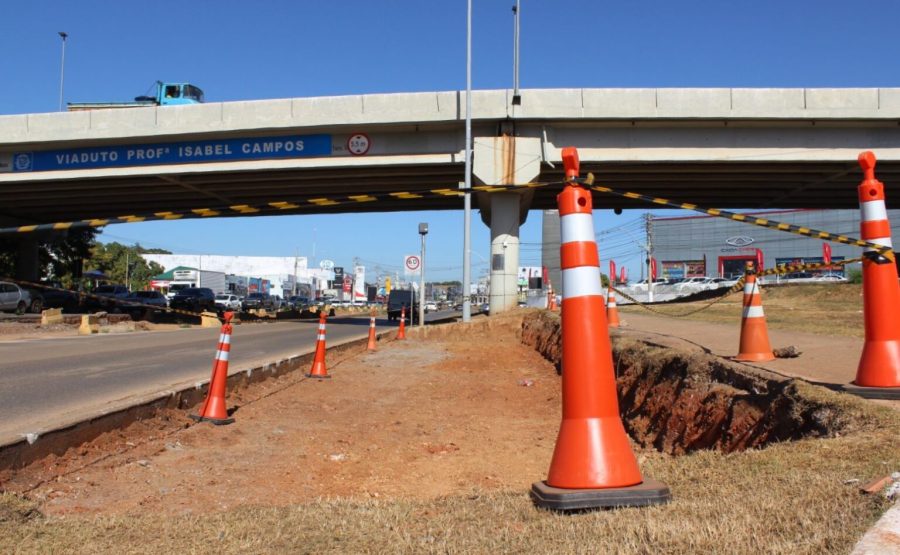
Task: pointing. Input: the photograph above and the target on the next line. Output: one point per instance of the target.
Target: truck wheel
(20, 308)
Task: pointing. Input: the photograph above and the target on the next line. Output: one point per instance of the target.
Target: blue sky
(276, 49)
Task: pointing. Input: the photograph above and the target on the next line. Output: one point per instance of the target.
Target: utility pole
(517, 11)
(467, 202)
(294, 288)
(127, 269)
(649, 225)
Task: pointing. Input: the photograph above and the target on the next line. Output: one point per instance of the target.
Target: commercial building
(276, 275)
(695, 246)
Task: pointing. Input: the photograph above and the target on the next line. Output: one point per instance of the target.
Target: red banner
(826, 253)
(652, 269)
(623, 275)
(612, 271)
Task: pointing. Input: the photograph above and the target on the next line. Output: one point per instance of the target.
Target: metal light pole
(467, 212)
(62, 68)
(423, 231)
(517, 12)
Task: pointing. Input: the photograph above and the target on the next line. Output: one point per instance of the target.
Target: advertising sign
(359, 281)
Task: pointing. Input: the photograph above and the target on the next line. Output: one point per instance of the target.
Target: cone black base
(889, 393)
(216, 421)
(318, 377)
(648, 492)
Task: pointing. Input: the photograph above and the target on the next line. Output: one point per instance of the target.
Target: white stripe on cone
(753, 312)
(873, 210)
(577, 227)
(320, 337)
(581, 282)
(226, 339)
(222, 355)
(751, 288)
(886, 241)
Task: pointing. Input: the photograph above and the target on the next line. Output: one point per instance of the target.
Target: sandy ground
(415, 419)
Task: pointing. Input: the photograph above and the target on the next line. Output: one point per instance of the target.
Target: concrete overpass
(750, 148)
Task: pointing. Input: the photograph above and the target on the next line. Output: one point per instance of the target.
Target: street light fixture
(423, 231)
(62, 67)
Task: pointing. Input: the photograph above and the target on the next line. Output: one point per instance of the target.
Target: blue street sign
(225, 150)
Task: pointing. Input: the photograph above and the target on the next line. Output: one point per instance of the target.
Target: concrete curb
(884, 537)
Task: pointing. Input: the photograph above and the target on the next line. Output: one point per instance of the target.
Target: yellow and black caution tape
(887, 252)
(295, 206)
(783, 269)
(103, 300)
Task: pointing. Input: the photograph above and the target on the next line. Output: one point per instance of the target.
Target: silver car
(13, 298)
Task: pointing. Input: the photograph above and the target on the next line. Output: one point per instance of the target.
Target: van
(400, 298)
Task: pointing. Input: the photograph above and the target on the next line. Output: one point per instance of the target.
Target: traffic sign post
(411, 265)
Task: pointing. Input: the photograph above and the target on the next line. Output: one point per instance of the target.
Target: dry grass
(832, 309)
(788, 498)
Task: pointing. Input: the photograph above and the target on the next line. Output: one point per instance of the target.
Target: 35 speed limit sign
(411, 264)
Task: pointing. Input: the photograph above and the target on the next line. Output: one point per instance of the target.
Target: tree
(122, 261)
(60, 255)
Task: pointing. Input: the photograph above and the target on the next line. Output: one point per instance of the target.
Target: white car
(228, 302)
(430, 305)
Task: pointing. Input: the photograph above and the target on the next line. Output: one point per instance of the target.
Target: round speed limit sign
(358, 144)
(412, 263)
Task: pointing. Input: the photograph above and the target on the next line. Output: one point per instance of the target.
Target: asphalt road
(48, 382)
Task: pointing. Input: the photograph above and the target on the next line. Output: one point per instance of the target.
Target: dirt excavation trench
(678, 402)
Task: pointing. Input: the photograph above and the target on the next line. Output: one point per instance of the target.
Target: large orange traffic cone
(214, 409)
(318, 369)
(612, 313)
(401, 333)
(593, 465)
(372, 338)
(878, 374)
(755, 345)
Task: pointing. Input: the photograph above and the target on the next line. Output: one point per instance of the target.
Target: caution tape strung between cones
(883, 250)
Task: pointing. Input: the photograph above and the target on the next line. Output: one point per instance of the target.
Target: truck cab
(174, 94)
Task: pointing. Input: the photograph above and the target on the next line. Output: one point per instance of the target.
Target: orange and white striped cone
(878, 373)
(372, 339)
(612, 313)
(552, 303)
(318, 369)
(214, 408)
(593, 465)
(755, 346)
(401, 333)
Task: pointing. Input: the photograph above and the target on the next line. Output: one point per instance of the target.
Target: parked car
(227, 301)
(59, 297)
(258, 300)
(153, 298)
(297, 302)
(431, 306)
(194, 299)
(832, 277)
(14, 298)
(110, 294)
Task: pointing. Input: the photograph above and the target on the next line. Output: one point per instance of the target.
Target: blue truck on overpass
(167, 94)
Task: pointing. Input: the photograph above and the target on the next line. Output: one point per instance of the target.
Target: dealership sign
(739, 241)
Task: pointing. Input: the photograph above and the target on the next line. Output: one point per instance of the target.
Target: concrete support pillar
(504, 251)
(27, 263)
(505, 160)
(550, 249)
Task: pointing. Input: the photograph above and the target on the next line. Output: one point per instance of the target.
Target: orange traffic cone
(372, 338)
(593, 465)
(878, 374)
(551, 304)
(213, 409)
(612, 313)
(401, 333)
(755, 345)
(318, 369)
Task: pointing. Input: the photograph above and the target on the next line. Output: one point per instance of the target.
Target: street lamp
(62, 67)
(423, 231)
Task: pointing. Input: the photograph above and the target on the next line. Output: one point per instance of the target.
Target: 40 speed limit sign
(412, 264)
